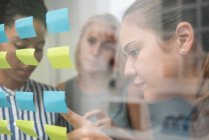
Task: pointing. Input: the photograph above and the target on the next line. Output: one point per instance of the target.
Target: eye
(108, 46)
(133, 52)
(20, 46)
(92, 40)
(38, 50)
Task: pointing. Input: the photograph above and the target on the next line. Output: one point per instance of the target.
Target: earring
(182, 51)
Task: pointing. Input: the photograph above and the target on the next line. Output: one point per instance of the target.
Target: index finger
(75, 120)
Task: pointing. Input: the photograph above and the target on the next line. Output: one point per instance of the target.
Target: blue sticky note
(3, 37)
(3, 100)
(54, 101)
(25, 28)
(58, 21)
(25, 101)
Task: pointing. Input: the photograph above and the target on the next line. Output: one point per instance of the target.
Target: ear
(185, 37)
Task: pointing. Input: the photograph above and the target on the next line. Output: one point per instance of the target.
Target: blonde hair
(108, 19)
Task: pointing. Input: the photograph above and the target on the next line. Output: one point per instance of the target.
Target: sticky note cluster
(57, 21)
(27, 127)
(54, 101)
(59, 57)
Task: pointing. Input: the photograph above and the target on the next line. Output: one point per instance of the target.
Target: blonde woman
(88, 93)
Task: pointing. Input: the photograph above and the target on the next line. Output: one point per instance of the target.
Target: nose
(96, 49)
(129, 69)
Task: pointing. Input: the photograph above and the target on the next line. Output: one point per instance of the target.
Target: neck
(93, 82)
(9, 82)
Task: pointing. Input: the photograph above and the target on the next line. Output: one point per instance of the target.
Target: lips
(139, 84)
(91, 62)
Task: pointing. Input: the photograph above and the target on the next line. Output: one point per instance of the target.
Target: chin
(22, 79)
(151, 97)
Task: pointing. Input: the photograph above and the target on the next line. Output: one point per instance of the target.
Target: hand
(104, 121)
(84, 129)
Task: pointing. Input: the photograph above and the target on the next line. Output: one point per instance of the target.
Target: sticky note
(54, 101)
(59, 57)
(3, 61)
(26, 56)
(56, 132)
(3, 127)
(27, 127)
(25, 28)
(3, 37)
(57, 21)
(3, 100)
(25, 101)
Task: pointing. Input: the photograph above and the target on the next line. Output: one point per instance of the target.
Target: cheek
(171, 68)
(149, 66)
(82, 54)
(107, 57)
(12, 59)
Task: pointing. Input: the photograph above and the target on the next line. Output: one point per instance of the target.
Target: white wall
(79, 12)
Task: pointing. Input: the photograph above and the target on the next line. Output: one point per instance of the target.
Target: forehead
(38, 26)
(101, 30)
(130, 32)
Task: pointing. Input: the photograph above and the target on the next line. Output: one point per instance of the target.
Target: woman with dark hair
(17, 77)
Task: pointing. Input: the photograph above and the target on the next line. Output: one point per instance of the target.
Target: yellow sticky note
(26, 56)
(27, 127)
(59, 57)
(3, 127)
(56, 132)
(3, 61)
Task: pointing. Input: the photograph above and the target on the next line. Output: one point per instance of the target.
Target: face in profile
(147, 63)
(97, 48)
(18, 71)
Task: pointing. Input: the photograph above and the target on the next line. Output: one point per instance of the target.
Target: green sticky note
(3, 127)
(26, 56)
(56, 132)
(27, 127)
(59, 57)
(3, 61)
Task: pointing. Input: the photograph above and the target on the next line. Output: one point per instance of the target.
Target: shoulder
(41, 86)
(61, 86)
(66, 84)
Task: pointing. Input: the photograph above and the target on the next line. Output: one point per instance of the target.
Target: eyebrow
(41, 42)
(127, 45)
(18, 39)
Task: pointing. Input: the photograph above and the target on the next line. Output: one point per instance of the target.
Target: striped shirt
(40, 117)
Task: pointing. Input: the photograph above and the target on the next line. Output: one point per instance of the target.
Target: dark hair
(161, 15)
(11, 8)
(162, 18)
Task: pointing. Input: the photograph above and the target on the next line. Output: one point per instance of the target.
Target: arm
(61, 86)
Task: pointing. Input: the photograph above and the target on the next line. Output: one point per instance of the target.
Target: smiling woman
(19, 72)
(95, 61)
